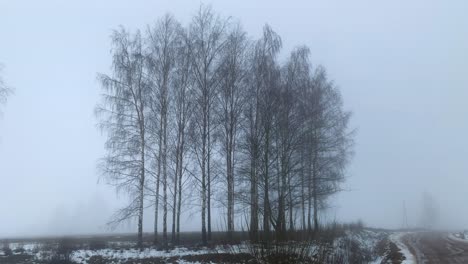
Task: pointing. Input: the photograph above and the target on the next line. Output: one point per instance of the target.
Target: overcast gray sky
(402, 67)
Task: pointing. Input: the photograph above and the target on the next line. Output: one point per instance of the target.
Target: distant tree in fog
(5, 91)
(430, 212)
(123, 117)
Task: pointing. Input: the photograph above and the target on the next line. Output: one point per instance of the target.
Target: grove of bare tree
(207, 105)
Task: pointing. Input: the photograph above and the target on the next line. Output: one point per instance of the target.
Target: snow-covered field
(83, 256)
(121, 252)
(353, 245)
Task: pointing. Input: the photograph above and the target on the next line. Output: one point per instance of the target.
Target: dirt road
(431, 247)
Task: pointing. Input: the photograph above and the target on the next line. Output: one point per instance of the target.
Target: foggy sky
(402, 67)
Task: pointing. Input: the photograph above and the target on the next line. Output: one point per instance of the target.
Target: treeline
(205, 112)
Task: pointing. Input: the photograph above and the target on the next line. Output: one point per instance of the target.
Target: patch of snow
(121, 244)
(180, 261)
(396, 238)
(28, 247)
(366, 240)
(456, 237)
(82, 256)
(378, 260)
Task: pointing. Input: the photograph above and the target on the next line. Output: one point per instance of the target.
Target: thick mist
(402, 69)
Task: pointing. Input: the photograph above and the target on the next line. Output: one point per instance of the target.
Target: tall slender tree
(207, 35)
(259, 117)
(299, 71)
(181, 93)
(164, 42)
(123, 114)
(330, 141)
(233, 72)
(289, 127)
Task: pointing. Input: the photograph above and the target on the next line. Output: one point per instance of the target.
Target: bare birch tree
(330, 141)
(258, 115)
(207, 36)
(299, 72)
(233, 72)
(288, 126)
(122, 116)
(182, 94)
(163, 41)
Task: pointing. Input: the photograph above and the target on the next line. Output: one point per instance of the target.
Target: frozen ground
(359, 247)
(397, 239)
(437, 247)
(20, 248)
(122, 255)
(353, 247)
(460, 236)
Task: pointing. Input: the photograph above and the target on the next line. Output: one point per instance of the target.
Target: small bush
(6, 249)
(97, 244)
(393, 254)
(19, 249)
(97, 260)
(355, 226)
(381, 247)
(287, 252)
(356, 253)
(35, 249)
(63, 252)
